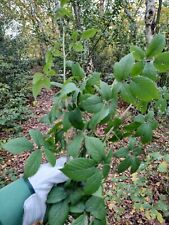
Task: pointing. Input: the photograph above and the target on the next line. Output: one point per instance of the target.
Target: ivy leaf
(81, 220)
(146, 133)
(37, 136)
(75, 145)
(58, 213)
(77, 71)
(75, 119)
(57, 194)
(137, 52)
(156, 46)
(90, 33)
(95, 147)
(161, 62)
(139, 84)
(18, 145)
(96, 207)
(32, 163)
(93, 183)
(123, 68)
(124, 165)
(79, 169)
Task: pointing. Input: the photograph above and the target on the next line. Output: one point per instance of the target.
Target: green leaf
(58, 213)
(32, 163)
(74, 36)
(77, 72)
(75, 145)
(123, 68)
(94, 79)
(146, 133)
(121, 153)
(78, 208)
(98, 117)
(127, 94)
(137, 151)
(63, 12)
(37, 137)
(90, 33)
(81, 220)
(105, 90)
(77, 46)
(95, 147)
(135, 163)
(99, 222)
(79, 169)
(68, 88)
(75, 119)
(63, 2)
(96, 207)
(156, 46)
(124, 165)
(139, 84)
(161, 62)
(137, 52)
(106, 170)
(50, 157)
(76, 195)
(39, 82)
(137, 68)
(132, 126)
(93, 183)
(139, 118)
(57, 194)
(66, 123)
(18, 145)
(150, 71)
(92, 104)
(163, 167)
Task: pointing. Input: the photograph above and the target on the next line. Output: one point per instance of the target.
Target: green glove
(12, 198)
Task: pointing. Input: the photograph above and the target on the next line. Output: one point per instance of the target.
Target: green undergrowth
(144, 193)
(15, 89)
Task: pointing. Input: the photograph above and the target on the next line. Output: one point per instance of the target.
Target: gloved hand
(42, 182)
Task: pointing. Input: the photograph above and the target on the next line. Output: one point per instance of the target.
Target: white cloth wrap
(42, 182)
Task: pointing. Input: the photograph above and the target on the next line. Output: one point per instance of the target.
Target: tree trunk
(150, 19)
(76, 9)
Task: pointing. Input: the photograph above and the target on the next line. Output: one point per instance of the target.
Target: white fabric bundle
(42, 182)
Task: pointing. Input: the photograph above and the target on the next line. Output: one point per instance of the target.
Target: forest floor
(119, 188)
